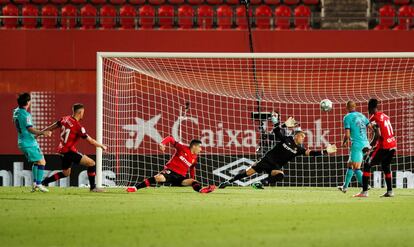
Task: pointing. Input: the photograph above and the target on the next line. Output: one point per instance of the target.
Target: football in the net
(326, 105)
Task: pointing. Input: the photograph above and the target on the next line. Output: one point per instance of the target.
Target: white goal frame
(101, 55)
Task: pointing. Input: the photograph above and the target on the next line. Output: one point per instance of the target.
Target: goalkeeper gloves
(290, 122)
(331, 149)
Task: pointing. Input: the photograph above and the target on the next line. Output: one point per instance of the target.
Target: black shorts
(264, 165)
(172, 178)
(381, 156)
(69, 158)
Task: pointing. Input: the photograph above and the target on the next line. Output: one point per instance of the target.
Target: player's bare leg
(159, 178)
(90, 164)
(244, 173)
(197, 186)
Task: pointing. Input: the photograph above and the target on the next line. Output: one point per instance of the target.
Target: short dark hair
(297, 132)
(23, 99)
(372, 104)
(195, 142)
(77, 107)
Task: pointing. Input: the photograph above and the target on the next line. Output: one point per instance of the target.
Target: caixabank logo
(230, 170)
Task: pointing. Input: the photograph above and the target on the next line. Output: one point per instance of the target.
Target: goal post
(141, 99)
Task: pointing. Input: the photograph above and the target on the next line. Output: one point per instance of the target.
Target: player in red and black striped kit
(384, 150)
(70, 132)
(176, 169)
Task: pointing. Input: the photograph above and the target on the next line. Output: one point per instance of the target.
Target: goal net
(225, 101)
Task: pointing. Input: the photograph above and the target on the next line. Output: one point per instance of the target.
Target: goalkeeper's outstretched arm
(330, 149)
(290, 122)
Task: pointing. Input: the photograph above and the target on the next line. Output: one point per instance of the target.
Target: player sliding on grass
(70, 132)
(384, 150)
(176, 169)
(275, 159)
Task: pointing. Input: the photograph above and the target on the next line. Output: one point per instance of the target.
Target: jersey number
(387, 124)
(65, 134)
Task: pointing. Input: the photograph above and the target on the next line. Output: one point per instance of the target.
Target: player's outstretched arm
(37, 132)
(290, 122)
(330, 149)
(52, 127)
(169, 139)
(95, 143)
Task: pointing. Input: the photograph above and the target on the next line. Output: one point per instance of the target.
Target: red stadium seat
(310, 2)
(166, 16)
(127, 16)
(30, 13)
(272, 2)
(78, 1)
(59, 1)
(291, 2)
(302, 17)
(405, 18)
(21, 1)
(224, 17)
(117, 2)
(263, 15)
(97, 2)
(107, 14)
(283, 16)
(205, 15)
(147, 16)
(232, 2)
(386, 17)
(185, 16)
(255, 2)
(88, 16)
(241, 20)
(10, 10)
(401, 2)
(69, 16)
(176, 2)
(136, 2)
(4, 2)
(156, 2)
(195, 2)
(49, 16)
(40, 1)
(252, 2)
(214, 2)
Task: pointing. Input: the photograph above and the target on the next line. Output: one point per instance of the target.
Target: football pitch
(180, 217)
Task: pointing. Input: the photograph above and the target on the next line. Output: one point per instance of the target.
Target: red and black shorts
(172, 178)
(381, 156)
(69, 158)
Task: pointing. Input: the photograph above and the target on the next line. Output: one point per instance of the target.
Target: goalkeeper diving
(279, 156)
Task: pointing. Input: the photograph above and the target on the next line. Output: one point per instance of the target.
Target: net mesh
(146, 99)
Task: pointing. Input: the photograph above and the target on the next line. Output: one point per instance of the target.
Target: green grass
(181, 217)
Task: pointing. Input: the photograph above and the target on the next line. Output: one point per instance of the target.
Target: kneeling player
(175, 171)
(274, 160)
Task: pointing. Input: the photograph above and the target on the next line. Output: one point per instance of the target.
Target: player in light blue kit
(355, 124)
(26, 140)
